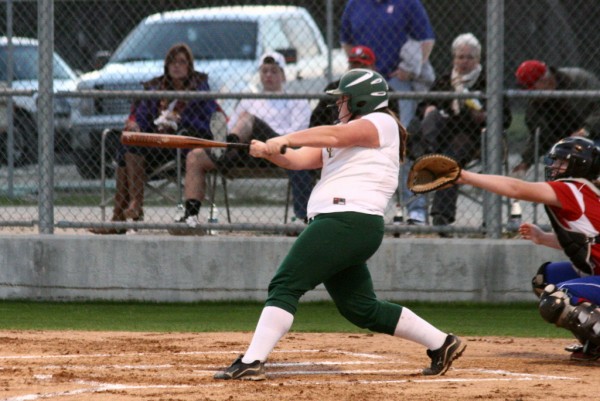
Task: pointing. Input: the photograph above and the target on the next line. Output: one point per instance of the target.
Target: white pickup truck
(227, 43)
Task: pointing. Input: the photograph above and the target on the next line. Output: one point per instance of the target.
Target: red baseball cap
(361, 55)
(529, 72)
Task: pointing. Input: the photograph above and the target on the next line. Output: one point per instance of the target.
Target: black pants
(443, 137)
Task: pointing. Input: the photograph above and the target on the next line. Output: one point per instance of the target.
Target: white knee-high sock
(274, 322)
(414, 328)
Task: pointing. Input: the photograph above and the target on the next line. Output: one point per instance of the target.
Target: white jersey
(359, 179)
(282, 115)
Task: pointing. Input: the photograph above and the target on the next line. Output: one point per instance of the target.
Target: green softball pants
(333, 250)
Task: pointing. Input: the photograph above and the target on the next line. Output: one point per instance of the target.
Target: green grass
(473, 319)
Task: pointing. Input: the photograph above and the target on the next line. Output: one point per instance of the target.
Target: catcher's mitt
(431, 172)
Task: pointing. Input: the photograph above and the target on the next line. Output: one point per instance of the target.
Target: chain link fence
(71, 70)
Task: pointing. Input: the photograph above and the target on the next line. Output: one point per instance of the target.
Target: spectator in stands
(454, 127)
(555, 116)
(385, 27)
(254, 119)
(164, 116)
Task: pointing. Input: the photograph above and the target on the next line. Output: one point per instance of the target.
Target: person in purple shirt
(163, 116)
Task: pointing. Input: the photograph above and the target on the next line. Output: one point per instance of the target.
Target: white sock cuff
(414, 328)
(273, 324)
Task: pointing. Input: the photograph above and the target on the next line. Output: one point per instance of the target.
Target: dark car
(24, 60)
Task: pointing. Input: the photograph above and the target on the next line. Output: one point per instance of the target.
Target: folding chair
(158, 179)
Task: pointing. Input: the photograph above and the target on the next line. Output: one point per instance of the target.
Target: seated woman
(454, 126)
(159, 115)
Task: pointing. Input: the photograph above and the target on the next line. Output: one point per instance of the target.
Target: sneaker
(574, 348)
(187, 224)
(243, 371)
(415, 222)
(442, 358)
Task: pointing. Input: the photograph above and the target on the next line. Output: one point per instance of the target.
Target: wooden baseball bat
(175, 141)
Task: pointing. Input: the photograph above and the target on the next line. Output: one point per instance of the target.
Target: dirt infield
(119, 366)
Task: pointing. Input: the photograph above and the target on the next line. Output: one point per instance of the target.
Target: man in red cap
(555, 117)
(361, 57)
(326, 111)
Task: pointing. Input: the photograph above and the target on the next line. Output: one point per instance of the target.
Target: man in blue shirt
(384, 26)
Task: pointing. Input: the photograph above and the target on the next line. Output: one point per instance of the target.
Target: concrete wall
(163, 268)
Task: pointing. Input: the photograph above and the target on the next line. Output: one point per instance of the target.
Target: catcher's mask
(367, 91)
(581, 155)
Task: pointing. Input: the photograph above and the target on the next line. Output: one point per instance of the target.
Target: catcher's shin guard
(553, 303)
(582, 320)
(538, 282)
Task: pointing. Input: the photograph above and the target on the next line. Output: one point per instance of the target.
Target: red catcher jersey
(580, 210)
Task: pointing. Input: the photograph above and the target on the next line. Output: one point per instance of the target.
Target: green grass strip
(472, 319)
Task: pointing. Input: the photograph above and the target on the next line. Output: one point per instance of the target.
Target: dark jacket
(560, 117)
(463, 122)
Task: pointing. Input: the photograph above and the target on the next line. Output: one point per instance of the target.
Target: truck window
(273, 35)
(25, 64)
(301, 36)
(208, 39)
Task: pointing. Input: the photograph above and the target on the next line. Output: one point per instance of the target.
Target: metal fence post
(492, 209)
(45, 118)
(10, 140)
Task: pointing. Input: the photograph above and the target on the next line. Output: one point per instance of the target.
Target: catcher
(569, 291)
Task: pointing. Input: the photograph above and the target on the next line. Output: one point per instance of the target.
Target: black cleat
(243, 371)
(442, 358)
(587, 353)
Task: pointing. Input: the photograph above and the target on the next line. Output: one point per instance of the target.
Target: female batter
(360, 159)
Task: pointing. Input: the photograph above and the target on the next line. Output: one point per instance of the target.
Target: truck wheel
(25, 140)
(22, 150)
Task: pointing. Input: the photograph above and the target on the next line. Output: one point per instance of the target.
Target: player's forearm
(295, 159)
(501, 185)
(511, 187)
(326, 136)
(550, 240)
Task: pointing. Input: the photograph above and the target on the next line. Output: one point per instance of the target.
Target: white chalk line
(103, 387)
(63, 356)
(211, 367)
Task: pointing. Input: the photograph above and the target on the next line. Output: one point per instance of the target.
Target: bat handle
(283, 149)
(241, 146)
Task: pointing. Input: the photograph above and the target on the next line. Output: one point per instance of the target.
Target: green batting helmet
(367, 89)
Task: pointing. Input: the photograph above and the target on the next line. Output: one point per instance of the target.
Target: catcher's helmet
(367, 90)
(582, 157)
